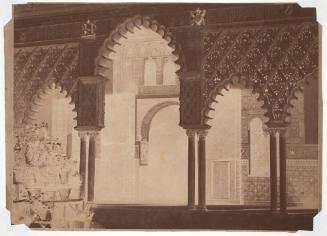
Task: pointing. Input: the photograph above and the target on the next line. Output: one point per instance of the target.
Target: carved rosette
(39, 66)
(272, 60)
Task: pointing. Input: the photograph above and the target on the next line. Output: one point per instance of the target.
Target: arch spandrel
(273, 60)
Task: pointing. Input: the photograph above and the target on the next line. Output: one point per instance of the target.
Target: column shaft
(282, 172)
(82, 167)
(202, 171)
(91, 169)
(191, 169)
(273, 171)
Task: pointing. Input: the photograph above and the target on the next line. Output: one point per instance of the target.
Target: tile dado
(302, 185)
(300, 152)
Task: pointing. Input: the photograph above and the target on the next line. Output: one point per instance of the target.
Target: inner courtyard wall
(119, 178)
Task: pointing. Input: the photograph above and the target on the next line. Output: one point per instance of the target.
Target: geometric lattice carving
(272, 60)
(39, 66)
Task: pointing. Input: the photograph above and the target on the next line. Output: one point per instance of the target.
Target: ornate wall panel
(40, 66)
(273, 60)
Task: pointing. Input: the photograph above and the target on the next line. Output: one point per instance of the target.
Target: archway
(53, 107)
(229, 154)
(163, 180)
(138, 59)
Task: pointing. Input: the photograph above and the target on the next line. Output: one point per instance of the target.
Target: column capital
(82, 134)
(202, 133)
(275, 130)
(87, 133)
(190, 133)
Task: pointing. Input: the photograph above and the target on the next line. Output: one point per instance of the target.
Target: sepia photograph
(163, 116)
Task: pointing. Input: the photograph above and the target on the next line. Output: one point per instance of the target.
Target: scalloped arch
(234, 80)
(33, 105)
(103, 62)
(299, 88)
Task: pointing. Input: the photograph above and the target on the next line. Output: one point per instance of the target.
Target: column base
(274, 211)
(202, 208)
(191, 208)
(283, 212)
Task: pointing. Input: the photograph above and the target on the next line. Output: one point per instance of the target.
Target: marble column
(91, 166)
(202, 169)
(273, 170)
(83, 161)
(282, 171)
(191, 169)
